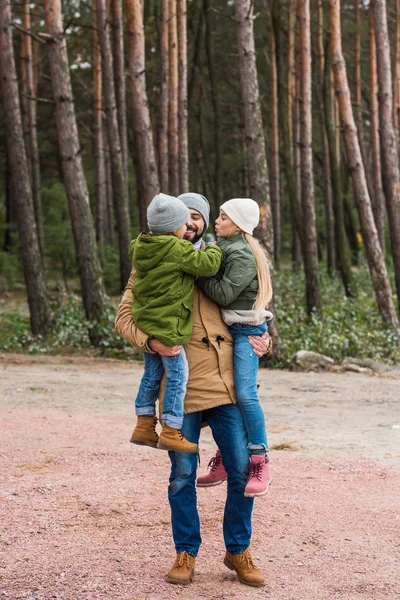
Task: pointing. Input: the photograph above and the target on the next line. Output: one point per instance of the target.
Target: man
(210, 397)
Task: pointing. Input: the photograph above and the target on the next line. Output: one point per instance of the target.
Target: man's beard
(197, 235)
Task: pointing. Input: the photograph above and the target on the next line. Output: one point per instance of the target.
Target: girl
(242, 288)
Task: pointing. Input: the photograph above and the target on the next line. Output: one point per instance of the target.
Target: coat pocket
(185, 320)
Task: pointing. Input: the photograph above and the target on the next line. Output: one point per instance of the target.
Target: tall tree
(389, 145)
(183, 98)
(22, 195)
(375, 257)
(307, 178)
(173, 118)
(119, 183)
(29, 106)
(164, 97)
(378, 204)
(145, 156)
(396, 94)
(71, 164)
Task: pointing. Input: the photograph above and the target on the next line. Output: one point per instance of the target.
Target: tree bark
(71, 164)
(173, 119)
(257, 161)
(119, 81)
(146, 161)
(389, 147)
(183, 99)
(378, 204)
(328, 195)
(164, 97)
(375, 257)
(29, 109)
(120, 193)
(22, 195)
(396, 91)
(307, 179)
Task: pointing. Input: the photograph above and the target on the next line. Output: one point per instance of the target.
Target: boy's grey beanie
(197, 202)
(166, 214)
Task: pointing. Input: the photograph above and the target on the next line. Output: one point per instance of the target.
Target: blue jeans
(229, 433)
(176, 371)
(245, 364)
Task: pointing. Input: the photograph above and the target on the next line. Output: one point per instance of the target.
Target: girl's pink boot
(216, 474)
(259, 476)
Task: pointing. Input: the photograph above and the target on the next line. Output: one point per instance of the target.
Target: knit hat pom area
(166, 214)
(244, 212)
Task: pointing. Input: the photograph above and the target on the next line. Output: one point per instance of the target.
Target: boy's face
(195, 226)
(180, 232)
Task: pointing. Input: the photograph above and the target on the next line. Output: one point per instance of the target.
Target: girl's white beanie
(244, 212)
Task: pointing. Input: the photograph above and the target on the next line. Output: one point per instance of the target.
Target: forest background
(293, 103)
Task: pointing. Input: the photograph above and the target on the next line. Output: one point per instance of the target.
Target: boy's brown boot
(172, 439)
(145, 433)
(246, 571)
(182, 570)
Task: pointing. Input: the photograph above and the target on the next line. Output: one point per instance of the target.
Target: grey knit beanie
(197, 202)
(166, 214)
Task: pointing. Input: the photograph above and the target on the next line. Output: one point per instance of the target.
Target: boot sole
(211, 484)
(179, 581)
(162, 447)
(139, 443)
(259, 493)
(232, 568)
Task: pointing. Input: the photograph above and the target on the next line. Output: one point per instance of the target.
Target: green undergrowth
(347, 326)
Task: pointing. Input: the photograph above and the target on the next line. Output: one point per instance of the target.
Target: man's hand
(262, 344)
(162, 349)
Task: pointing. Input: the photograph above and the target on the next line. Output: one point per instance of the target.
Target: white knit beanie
(244, 212)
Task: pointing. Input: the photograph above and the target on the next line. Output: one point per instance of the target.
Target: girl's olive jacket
(209, 352)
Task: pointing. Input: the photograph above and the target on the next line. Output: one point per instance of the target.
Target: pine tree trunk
(378, 204)
(183, 99)
(145, 155)
(119, 81)
(256, 158)
(29, 109)
(173, 119)
(71, 164)
(22, 195)
(274, 167)
(389, 145)
(120, 192)
(100, 166)
(218, 188)
(164, 97)
(328, 195)
(307, 178)
(375, 257)
(396, 94)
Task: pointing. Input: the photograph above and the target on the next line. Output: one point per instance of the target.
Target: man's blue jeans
(176, 371)
(229, 433)
(245, 366)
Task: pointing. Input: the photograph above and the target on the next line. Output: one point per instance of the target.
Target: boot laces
(256, 470)
(183, 559)
(246, 557)
(215, 462)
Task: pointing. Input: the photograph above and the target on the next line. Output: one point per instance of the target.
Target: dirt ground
(85, 516)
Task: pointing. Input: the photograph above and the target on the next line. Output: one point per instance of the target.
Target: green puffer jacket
(163, 286)
(236, 284)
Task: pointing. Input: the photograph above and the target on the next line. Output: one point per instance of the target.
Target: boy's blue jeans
(176, 371)
(229, 433)
(245, 366)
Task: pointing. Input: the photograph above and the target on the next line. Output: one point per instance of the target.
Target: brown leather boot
(182, 570)
(172, 439)
(145, 433)
(246, 571)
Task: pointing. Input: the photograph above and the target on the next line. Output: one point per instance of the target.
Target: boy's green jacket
(163, 286)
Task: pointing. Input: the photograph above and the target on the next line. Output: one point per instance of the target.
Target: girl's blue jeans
(176, 371)
(245, 363)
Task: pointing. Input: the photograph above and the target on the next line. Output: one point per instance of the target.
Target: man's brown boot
(246, 571)
(145, 433)
(172, 439)
(182, 570)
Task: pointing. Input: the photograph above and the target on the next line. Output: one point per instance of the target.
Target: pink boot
(216, 474)
(259, 476)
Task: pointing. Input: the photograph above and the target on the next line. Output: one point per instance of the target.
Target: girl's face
(224, 227)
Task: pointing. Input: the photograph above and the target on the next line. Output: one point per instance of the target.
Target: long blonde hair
(264, 293)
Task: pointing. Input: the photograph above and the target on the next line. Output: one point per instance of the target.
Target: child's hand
(213, 243)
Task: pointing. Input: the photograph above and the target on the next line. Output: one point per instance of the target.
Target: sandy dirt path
(84, 514)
